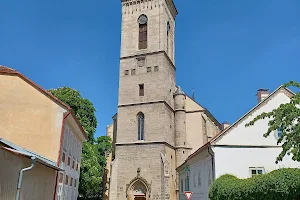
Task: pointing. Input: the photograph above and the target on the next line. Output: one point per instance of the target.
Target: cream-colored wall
(191, 105)
(29, 118)
(194, 130)
(37, 183)
(195, 116)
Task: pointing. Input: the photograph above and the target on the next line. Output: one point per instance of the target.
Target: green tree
(83, 108)
(285, 118)
(94, 151)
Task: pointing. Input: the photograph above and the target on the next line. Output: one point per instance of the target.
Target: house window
(278, 133)
(71, 182)
(141, 124)
(126, 72)
(75, 182)
(67, 180)
(141, 90)
(69, 160)
(77, 166)
(63, 157)
(148, 69)
(143, 31)
(256, 171)
(73, 164)
(61, 177)
(155, 68)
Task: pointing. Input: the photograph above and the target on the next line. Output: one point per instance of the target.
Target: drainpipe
(33, 158)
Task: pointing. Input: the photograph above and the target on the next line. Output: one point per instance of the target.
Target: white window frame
(256, 168)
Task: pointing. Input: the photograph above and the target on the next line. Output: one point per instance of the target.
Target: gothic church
(157, 125)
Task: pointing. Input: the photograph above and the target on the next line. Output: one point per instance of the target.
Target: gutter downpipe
(33, 160)
(212, 162)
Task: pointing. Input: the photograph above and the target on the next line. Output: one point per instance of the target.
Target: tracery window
(141, 124)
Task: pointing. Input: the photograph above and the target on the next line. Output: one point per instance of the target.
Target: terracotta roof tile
(6, 69)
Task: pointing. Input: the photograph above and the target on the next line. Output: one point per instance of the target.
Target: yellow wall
(29, 118)
(37, 184)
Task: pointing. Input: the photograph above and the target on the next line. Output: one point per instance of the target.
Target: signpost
(188, 195)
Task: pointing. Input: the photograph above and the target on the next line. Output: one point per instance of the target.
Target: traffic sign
(188, 195)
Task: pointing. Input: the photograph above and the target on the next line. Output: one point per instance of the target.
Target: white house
(237, 150)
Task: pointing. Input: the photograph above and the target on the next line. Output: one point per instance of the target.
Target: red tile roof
(9, 71)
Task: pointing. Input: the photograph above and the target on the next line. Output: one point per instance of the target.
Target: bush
(282, 184)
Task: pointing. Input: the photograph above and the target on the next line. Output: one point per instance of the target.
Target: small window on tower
(141, 90)
(148, 69)
(126, 72)
(133, 72)
(156, 68)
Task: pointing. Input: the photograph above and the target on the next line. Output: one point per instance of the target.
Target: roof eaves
(22, 151)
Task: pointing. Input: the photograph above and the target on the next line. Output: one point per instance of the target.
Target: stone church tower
(154, 115)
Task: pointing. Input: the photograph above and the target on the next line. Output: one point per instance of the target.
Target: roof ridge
(250, 111)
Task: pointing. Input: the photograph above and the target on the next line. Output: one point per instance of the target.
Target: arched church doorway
(137, 191)
(138, 188)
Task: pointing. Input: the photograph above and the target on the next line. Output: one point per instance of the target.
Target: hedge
(282, 184)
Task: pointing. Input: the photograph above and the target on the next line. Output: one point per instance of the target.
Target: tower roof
(179, 91)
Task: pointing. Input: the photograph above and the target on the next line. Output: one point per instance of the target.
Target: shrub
(282, 184)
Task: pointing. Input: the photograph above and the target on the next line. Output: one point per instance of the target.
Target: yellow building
(35, 183)
(34, 119)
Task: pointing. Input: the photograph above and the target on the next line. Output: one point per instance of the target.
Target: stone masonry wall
(146, 157)
(159, 123)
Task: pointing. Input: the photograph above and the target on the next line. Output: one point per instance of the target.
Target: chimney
(262, 94)
(225, 125)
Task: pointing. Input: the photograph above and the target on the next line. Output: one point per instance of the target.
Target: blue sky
(225, 50)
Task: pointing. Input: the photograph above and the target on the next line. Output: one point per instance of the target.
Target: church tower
(144, 165)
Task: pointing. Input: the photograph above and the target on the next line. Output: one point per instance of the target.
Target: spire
(193, 95)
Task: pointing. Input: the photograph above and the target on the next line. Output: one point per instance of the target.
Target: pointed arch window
(141, 124)
(143, 31)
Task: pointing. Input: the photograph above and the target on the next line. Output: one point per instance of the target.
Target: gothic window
(194, 179)
(199, 178)
(143, 26)
(187, 181)
(141, 123)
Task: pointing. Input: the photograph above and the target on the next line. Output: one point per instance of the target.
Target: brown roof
(9, 71)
